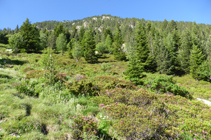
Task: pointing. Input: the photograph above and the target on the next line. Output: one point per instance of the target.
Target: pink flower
(73, 117)
(195, 134)
(69, 117)
(95, 131)
(63, 122)
(190, 131)
(204, 135)
(90, 122)
(205, 132)
(108, 107)
(101, 104)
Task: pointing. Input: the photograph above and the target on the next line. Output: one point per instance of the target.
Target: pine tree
(173, 55)
(134, 71)
(58, 30)
(30, 37)
(141, 46)
(117, 45)
(196, 59)
(89, 46)
(81, 34)
(184, 51)
(162, 57)
(61, 43)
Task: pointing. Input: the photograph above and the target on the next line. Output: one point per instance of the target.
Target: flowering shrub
(144, 115)
(60, 77)
(82, 87)
(108, 82)
(35, 74)
(83, 124)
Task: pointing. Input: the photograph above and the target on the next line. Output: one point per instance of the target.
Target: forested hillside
(105, 77)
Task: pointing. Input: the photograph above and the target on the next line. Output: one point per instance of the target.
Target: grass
(51, 115)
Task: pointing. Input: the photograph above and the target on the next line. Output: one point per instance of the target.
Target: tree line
(166, 47)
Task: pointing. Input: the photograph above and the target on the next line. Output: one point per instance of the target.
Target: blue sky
(13, 12)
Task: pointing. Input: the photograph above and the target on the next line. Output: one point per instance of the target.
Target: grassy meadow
(94, 101)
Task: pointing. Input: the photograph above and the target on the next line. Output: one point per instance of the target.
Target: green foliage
(196, 59)
(203, 72)
(105, 67)
(101, 48)
(51, 41)
(141, 44)
(82, 87)
(165, 84)
(84, 127)
(76, 52)
(27, 87)
(134, 71)
(89, 46)
(58, 30)
(61, 43)
(43, 40)
(117, 45)
(109, 82)
(15, 42)
(108, 43)
(30, 34)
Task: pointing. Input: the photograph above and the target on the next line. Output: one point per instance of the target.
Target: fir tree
(117, 45)
(81, 34)
(141, 46)
(30, 37)
(89, 46)
(196, 59)
(58, 30)
(184, 51)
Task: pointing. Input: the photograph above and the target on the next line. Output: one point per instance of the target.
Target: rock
(204, 101)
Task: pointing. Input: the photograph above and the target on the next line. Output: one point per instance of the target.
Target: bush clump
(27, 87)
(109, 82)
(82, 87)
(165, 84)
(84, 127)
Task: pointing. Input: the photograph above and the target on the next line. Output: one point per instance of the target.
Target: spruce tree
(162, 57)
(30, 37)
(89, 46)
(58, 30)
(117, 45)
(141, 46)
(81, 34)
(184, 51)
(196, 59)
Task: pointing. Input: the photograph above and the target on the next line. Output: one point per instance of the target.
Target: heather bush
(109, 82)
(84, 127)
(83, 87)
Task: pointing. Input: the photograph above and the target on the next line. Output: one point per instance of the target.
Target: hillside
(111, 78)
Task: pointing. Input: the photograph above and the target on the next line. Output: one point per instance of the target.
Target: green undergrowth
(94, 101)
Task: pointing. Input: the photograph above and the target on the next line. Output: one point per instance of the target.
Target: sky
(15, 12)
